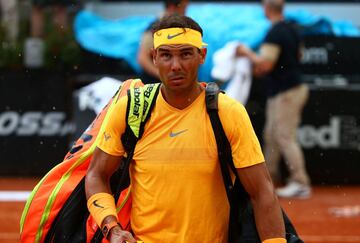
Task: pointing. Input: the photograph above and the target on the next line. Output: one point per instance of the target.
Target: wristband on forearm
(275, 240)
(100, 206)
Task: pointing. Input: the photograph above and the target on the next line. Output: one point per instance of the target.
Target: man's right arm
(97, 180)
(101, 167)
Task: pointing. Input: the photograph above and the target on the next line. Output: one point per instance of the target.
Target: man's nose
(175, 64)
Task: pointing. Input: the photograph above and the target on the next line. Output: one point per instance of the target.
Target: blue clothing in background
(221, 24)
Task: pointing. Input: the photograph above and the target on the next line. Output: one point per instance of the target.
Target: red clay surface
(331, 215)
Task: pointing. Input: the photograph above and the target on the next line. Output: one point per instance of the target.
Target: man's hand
(119, 236)
(242, 50)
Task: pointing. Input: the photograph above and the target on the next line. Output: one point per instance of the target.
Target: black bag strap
(237, 196)
(224, 149)
(128, 138)
(120, 180)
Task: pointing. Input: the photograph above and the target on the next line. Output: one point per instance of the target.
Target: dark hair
(275, 5)
(168, 3)
(176, 21)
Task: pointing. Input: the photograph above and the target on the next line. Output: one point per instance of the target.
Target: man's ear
(203, 52)
(153, 54)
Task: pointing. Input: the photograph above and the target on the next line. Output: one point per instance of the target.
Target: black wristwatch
(107, 227)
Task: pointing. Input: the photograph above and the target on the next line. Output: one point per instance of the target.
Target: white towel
(240, 84)
(224, 62)
(237, 71)
(97, 94)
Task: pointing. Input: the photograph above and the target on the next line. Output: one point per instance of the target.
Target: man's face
(178, 65)
(266, 10)
(181, 8)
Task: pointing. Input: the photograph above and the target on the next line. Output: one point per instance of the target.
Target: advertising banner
(34, 122)
(330, 135)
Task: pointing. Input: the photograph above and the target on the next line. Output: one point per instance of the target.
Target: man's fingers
(122, 236)
(128, 237)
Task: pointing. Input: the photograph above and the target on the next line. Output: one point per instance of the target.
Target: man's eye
(187, 54)
(165, 55)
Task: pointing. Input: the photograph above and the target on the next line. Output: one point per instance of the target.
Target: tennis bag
(56, 210)
(242, 227)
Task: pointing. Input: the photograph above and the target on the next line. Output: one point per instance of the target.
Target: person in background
(60, 16)
(178, 194)
(150, 73)
(34, 46)
(278, 63)
(10, 19)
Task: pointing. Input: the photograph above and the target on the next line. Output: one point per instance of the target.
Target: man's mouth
(176, 78)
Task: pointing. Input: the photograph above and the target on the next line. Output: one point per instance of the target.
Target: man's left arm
(248, 159)
(265, 61)
(268, 216)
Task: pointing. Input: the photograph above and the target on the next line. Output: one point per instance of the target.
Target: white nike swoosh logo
(174, 134)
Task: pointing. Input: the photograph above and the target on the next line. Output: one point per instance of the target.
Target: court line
(14, 196)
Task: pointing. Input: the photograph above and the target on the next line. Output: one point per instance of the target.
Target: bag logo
(106, 137)
(137, 94)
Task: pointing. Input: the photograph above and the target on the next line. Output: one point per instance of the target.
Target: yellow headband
(172, 36)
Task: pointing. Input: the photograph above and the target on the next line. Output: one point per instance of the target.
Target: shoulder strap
(141, 101)
(237, 196)
(139, 106)
(224, 149)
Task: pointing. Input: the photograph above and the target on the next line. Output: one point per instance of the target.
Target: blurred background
(50, 53)
(61, 62)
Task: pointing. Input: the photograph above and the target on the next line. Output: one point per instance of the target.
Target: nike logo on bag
(97, 205)
(173, 36)
(174, 134)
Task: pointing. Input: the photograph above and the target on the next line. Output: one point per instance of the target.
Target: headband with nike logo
(172, 36)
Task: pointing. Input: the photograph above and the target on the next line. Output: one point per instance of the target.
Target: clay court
(331, 215)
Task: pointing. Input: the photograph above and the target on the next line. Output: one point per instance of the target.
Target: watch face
(107, 227)
(105, 230)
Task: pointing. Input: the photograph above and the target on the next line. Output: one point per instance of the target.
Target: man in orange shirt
(176, 182)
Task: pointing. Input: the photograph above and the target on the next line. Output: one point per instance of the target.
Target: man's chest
(171, 137)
